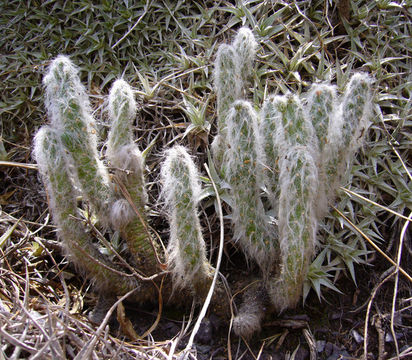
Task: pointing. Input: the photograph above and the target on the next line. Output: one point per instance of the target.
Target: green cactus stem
(270, 123)
(346, 132)
(297, 225)
(243, 162)
(233, 66)
(69, 111)
(295, 128)
(245, 46)
(186, 248)
(321, 106)
(128, 161)
(51, 158)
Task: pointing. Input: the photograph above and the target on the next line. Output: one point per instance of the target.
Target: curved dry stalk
(395, 288)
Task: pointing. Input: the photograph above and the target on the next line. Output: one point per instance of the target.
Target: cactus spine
(186, 249)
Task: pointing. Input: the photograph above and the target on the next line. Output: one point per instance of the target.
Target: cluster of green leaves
(166, 48)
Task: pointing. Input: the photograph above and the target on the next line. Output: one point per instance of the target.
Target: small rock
(204, 335)
(357, 337)
(320, 345)
(339, 354)
(389, 337)
(329, 348)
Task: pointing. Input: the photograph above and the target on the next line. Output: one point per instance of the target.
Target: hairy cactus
(283, 164)
(186, 249)
(242, 161)
(66, 151)
(54, 167)
(233, 67)
(303, 149)
(69, 111)
(128, 214)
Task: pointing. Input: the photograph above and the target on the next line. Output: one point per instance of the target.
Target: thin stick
(133, 27)
(376, 247)
(21, 165)
(87, 349)
(219, 259)
(365, 333)
(395, 288)
(375, 203)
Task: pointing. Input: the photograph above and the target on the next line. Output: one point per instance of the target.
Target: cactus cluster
(288, 158)
(66, 152)
(283, 164)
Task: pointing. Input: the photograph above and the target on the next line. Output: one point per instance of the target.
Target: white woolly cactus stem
(270, 124)
(356, 109)
(186, 249)
(243, 165)
(245, 46)
(346, 131)
(295, 128)
(69, 112)
(227, 82)
(283, 125)
(50, 156)
(321, 107)
(233, 66)
(124, 155)
(297, 225)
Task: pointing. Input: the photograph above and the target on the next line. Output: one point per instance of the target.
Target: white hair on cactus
(227, 79)
(69, 111)
(252, 310)
(122, 111)
(245, 46)
(63, 86)
(295, 127)
(297, 225)
(246, 324)
(356, 109)
(243, 163)
(186, 248)
(121, 213)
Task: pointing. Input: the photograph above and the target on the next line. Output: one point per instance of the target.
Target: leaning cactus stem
(70, 114)
(50, 156)
(321, 105)
(245, 46)
(128, 161)
(186, 249)
(233, 67)
(346, 132)
(243, 163)
(297, 225)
